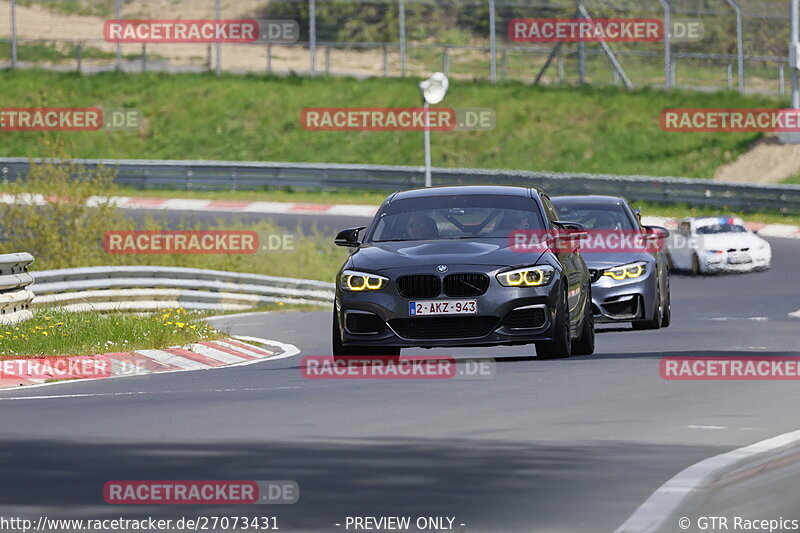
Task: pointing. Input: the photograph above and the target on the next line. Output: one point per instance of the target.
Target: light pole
(433, 91)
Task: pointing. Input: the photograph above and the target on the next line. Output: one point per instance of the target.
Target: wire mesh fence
(743, 44)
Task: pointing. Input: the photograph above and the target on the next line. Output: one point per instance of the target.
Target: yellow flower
(44, 333)
(180, 324)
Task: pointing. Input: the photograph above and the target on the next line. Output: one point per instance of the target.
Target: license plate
(443, 307)
(738, 258)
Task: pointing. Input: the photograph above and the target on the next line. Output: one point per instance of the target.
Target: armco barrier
(148, 288)
(15, 295)
(211, 175)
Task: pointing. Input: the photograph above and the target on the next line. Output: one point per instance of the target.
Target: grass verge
(257, 118)
(56, 332)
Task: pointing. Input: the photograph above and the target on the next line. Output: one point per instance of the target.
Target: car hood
(601, 260)
(725, 241)
(379, 256)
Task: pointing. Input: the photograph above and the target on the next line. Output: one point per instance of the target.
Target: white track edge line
(667, 499)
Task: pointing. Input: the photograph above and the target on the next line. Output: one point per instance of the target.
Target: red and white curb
(206, 355)
(785, 231)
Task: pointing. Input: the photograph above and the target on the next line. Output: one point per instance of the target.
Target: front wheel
(666, 320)
(655, 322)
(584, 345)
(561, 345)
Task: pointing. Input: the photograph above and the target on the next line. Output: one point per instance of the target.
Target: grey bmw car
(436, 267)
(630, 283)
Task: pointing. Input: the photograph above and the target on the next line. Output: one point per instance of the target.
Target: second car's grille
(466, 284)
(444, 327)
(419, 286)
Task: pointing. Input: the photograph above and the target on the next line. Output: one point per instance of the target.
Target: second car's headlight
(355, 281)
(631, 270)
(534, 276)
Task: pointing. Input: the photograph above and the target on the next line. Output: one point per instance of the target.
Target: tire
(561, 345)
(666, 319)
(658, 315)
(339, 350)
(584, 345)
(695, 265)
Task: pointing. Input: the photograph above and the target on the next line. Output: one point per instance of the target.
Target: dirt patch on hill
(767, 161)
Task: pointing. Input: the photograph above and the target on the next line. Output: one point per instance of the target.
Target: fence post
(13, 34)
(312, 36)
(118, 46)
(79, 55)
(739, 43)
(327, 60)
(492, 44)
(218, 46)
(667, 46)
(446, 61)
(402, 17)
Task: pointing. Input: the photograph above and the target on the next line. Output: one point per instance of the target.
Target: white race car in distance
(707, 245)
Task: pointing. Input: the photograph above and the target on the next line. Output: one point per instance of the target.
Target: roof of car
(589, 199)
(463, 190)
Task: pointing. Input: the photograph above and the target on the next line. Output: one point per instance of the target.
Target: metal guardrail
(149, 288)
(15, 295)
(216, 175)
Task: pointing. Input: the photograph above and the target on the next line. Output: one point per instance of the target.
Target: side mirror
(657, 232)
(348, 237)
(571, 232)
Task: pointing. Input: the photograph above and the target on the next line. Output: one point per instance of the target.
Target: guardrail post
(13, 34)
(730, 76)
(385, 61)
(504, 61)
(327, 60)
(560, 66)
(446, 61)
(144, 57)
(402, 17)
(781, 81)
(208, 57)
(269, 59)
(189, 180)
(79, 55)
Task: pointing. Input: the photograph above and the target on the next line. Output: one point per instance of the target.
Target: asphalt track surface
(564, 446)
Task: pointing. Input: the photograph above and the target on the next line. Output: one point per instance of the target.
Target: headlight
(631, 270)
(534, 276)
(354, 281)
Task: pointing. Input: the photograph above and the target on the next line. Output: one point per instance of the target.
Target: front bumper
(722, 262)
(500, 310)
(624, 300)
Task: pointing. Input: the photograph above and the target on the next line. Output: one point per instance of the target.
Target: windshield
(594, 216)
(721, 228)
(456, 217)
